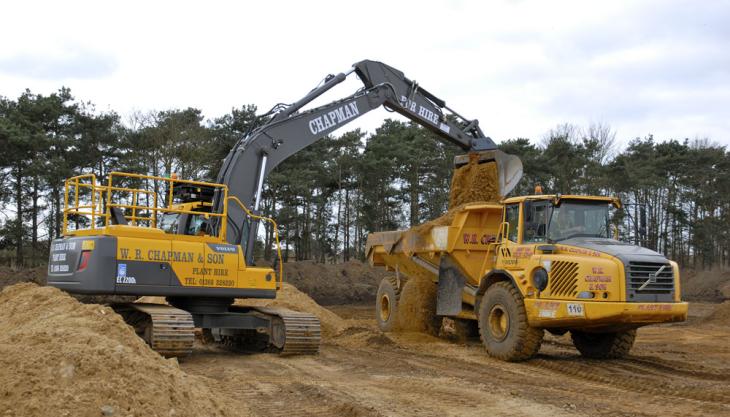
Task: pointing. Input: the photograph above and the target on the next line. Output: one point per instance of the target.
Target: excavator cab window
(192, 224)
(197, 225)
(169, 222)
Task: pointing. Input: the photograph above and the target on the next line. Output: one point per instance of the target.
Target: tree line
(329, 196)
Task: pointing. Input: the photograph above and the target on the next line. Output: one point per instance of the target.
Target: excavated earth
(474, 182)
(59, 357)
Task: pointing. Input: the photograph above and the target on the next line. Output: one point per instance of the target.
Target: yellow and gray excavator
(192, 242)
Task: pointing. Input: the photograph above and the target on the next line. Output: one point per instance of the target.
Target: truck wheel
(386, 303)
(612, 345)
(503, 324)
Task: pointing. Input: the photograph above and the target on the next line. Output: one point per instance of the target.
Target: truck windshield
(575, 218)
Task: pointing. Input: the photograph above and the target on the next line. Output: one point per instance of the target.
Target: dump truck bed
(464, 236)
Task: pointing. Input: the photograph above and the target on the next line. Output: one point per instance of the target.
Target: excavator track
(168, 330)
(293, 332)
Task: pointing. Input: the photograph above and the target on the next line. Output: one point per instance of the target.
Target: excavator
(192, 242)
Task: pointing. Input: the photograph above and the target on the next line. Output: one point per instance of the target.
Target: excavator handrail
(280, 277)
(102, 200)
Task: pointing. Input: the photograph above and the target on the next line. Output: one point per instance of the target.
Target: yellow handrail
(276, 235)
(140, 212)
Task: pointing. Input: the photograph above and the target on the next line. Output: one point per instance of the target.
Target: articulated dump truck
(512, 269)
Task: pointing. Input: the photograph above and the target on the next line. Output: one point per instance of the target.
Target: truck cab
(572, 239)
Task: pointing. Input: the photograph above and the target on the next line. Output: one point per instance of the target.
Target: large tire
(503, 324)
(386, 303)
(612, 345)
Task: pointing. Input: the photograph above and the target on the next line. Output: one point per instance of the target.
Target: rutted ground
(62, 357)
(674, 370)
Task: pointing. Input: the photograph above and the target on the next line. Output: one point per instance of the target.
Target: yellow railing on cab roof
(85, 197)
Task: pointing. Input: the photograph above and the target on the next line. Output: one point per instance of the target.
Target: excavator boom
(291, 130)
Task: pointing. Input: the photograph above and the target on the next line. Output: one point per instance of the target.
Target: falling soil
(63, 358)
(474, 182)
(471, 183)
(293, 299)
(417, 307)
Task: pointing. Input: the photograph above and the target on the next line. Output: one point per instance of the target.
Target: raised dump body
(468, 242)
(530, 264)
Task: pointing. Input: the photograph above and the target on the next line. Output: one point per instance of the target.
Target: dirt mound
(417, 307)
(60, 357)
(721, 315)
(474, 182)
(293, 299)
(350, 282)
(359, 337)
(10, 276)
(705, 285)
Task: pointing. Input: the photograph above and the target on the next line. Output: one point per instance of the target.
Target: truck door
(515, 253)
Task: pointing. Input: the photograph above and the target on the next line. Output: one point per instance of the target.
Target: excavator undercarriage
(170, 331)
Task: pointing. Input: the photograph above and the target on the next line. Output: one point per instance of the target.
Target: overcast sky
(520, 67)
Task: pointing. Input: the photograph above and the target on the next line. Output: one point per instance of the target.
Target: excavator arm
(291, 130)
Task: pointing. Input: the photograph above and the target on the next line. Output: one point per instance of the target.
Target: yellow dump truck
(516, 268)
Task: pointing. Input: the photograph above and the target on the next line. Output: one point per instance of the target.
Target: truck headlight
(540, 279)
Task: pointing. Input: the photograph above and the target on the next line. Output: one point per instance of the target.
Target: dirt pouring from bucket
(474, 182)
(60, 357)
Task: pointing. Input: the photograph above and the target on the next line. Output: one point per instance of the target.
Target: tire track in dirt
(610, 374)
(676, 367)
(364, 372)
(541, 375)
(274, 392)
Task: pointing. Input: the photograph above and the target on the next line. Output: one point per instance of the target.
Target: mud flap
(450, 288)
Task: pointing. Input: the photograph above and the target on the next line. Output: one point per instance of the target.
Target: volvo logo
(652, 278)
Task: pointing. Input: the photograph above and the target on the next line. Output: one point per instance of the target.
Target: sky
(520, 67)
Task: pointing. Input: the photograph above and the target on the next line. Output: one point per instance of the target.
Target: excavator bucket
(509, 168)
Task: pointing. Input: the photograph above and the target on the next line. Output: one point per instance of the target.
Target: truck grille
(644, 274)
(563, 279)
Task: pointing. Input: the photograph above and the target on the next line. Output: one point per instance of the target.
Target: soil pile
(293, 299)
(63, 358)
(351, 282)
(721, 315)
(474, 182)
(10, 276)
(417, 307)
(705, 285)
